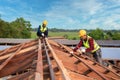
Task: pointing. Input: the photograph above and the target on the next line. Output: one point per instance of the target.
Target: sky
(64, 14)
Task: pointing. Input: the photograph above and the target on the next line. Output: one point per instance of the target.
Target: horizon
(84, 29)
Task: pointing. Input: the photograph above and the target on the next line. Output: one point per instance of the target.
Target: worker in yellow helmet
(90, 45)
(43, 30)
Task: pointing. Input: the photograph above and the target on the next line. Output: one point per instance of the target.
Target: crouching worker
(90, 44)
(42, 30)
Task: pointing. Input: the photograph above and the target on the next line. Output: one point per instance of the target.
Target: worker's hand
(83, 50)
(43, 34)
(71, 52)
(80, 52)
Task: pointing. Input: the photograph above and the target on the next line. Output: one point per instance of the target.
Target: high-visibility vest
(86, 44)
(43, 29)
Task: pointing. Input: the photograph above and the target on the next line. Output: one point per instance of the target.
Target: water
(109, 53)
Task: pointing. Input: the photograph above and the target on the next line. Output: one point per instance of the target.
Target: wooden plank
(14, 48)
(39, 69)
(38, 76)
(22, 51)
(4, 51)
(21, 64)
(59, 63)
(21, 76)
(8, 50)
(52, 76)
(12, 55)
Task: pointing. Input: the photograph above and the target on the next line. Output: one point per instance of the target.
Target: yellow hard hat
(82, 33)
(45, 22)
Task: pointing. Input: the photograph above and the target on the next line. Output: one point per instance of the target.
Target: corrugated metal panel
(107, 43)
(14, 41)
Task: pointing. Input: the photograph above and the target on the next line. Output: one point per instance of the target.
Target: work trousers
(97, 56)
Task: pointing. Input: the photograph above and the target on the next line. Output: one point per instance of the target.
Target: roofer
(43, 30)
(90, 44)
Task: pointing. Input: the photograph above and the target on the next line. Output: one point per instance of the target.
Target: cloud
(115, 1)
(112, 22)
(12, 1)
(87, 6)
(72, 12)
(1, 12)
(66, 14)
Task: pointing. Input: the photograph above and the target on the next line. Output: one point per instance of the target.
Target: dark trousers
(39, 33)
(97, 56)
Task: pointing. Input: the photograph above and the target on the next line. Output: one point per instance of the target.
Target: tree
(4, 29)
(108, 35)
(22, 28)
(97, 34)
(16, 29)
(116, 36)
(65, 36)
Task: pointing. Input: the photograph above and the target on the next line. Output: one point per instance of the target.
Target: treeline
(58, 30)
(63, 30)
(98, 34)
(19, 28)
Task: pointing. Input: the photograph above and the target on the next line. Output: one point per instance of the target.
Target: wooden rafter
(39, 69)
(12, 55)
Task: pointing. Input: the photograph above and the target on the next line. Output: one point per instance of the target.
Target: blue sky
(65, 14)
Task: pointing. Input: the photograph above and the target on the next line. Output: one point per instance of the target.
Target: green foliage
(33, 35)
(116, 36)
(66, 34)
(97, 34)
(4, 29)
(16, 29)
(74, 38)
(100, 34)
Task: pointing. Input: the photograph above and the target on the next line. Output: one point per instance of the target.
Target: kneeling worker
(90, 44)
(42, 30)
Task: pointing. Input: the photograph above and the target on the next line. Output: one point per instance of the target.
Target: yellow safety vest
(86, 44)
(43, 29)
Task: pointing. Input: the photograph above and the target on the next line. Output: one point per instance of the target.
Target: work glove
(71, 52)
(80, 52)
(83, 50)
(43, 35)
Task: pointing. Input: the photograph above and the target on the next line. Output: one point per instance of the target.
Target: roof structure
(44, 59)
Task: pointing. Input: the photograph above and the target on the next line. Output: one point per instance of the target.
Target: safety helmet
(82, 33)
(45, 22)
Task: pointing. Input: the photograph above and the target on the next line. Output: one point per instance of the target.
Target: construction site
(59, 39)
(50, 59)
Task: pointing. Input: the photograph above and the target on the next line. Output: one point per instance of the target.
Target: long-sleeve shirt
(39, 31)
(91, 44)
